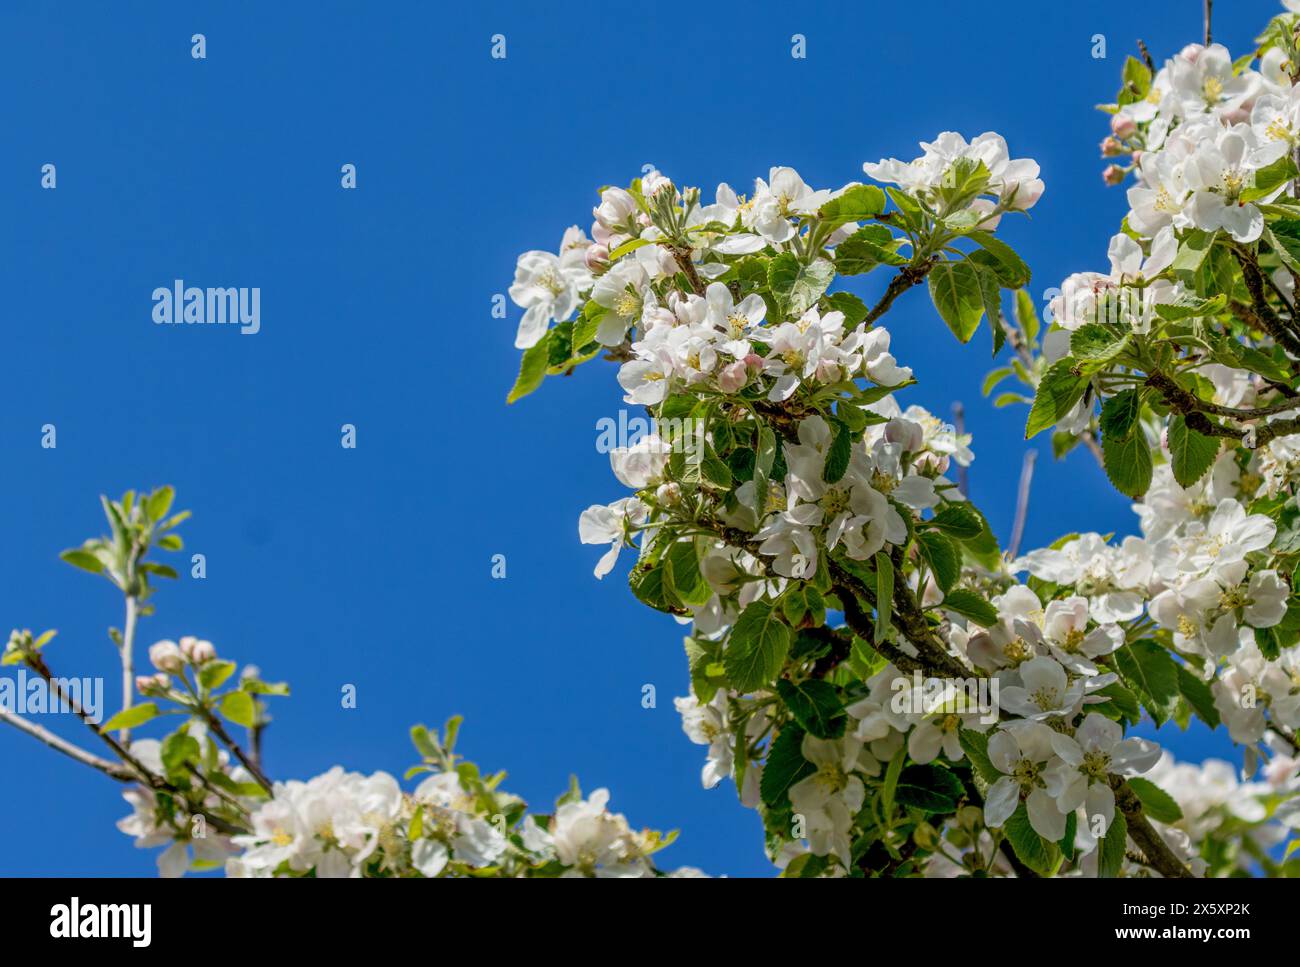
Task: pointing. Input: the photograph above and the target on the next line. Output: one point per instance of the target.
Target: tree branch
(114, 770)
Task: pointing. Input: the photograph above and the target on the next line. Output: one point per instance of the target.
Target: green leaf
(1026, 316)
(532, 369)
(682, 574)
(424, 743)
(83, 559)
(1285, 239)
(1119, 414)
(784, 767)
(1110, 858)
(962, 181)
(942, 556)
(976, 746)
(178, 749)
(955, 291)
(858, 204)
(757, 648)
(866, 248)
(1152, 673)
(1127, 463)
(837, 457)
(238, 707)
(968, 604)
(213, 673)
(815, 705)
(1120, 705)
(131, 717)
(1137, 77)
(958, 520)
(1034, 851)
(1013, 273)
(854, 309)
(1197, 694)
(1156, 803)
(1192, 251)
(798, 286)
(159, 503)
(650, 588)
(931, 788)
(1058, 391)
(1191, 453)
(1190, 306)
(631, 245)
(1270, 178)
(884, 595)
(1096, 345)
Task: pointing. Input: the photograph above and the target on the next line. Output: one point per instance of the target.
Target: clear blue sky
(372, 566)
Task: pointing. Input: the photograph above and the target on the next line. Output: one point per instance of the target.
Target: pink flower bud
(1112, 175)
(597, 258)
(1122, 126)
(828, 372)
(905, 433)
(733, 376)
(1110, 148)
(754, 361)
(166, 657)
(197, 651)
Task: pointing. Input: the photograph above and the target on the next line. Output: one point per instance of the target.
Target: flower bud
(152, 684)
(668, 494)
(597, 258)
(754, 361)
(828, 371)
(1110, 148)
(925, 836)
(1122, 126)
(615, 208)
(906, 433)
(733, 376)
(197, 651)
(166, 657)
(1112, 175)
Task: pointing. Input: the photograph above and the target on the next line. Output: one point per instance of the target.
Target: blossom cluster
(890, 689)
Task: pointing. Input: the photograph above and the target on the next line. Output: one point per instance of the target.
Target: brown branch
(220, 732)
(1192, 408)
(683, 257)
(1160, 857)
(1146, 56)
(114, 770)
(908, 276)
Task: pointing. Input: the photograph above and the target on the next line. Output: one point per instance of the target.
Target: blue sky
(372, 566)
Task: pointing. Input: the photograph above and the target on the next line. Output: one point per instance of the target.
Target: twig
(1209, 10)
(128, 661)
(1146, 56)
(959, 422)
(1022, 502)
(220, 732)
(908, 276)
(1153, 846)
(113, 769)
